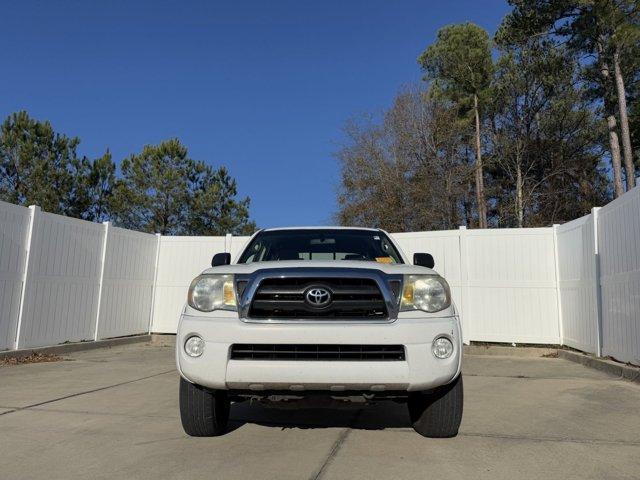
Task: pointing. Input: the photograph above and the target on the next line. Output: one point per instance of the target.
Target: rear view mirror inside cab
(322, 241)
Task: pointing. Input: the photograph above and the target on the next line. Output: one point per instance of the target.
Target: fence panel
(445, 248)
(61, 293)
(180, 260)
(619, 255)
(237, 245)
(14, 229)
(127, 283)
(577, 283)
(511, 284)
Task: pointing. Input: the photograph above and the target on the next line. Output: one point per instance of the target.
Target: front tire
(437, 414)
(204, 413)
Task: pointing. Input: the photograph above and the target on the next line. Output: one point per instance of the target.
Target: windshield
(321, 244)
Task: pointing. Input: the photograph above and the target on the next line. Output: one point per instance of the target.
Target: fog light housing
(442, 348)
(194, 346)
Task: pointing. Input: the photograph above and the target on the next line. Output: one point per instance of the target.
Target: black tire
(204, 413)
(438, 413)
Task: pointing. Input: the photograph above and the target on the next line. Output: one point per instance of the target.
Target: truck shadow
(374, 416)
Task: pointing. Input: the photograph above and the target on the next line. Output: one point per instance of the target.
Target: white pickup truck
(326, 311)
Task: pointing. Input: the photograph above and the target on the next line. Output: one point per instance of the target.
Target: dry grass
(33, 358)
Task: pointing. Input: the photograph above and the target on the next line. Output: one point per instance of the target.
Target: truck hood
(248, 268)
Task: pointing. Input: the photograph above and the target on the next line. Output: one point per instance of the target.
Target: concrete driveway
(113, 413)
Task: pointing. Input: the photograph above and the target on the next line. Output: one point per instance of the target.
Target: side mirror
(423, 260)
(221, 259)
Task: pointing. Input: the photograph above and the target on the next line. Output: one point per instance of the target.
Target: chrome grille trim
(347, 298)
(389, 285)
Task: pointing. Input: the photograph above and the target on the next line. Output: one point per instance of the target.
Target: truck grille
(305, 352)
(351, 298)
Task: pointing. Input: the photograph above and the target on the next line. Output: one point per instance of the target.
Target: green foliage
(214, 209)
(541, 137)
(160, 190)
(41, 167)
(459, 66)
(584, 25)
(163, 190)
(594, 30)
(99, 184)
(459, 63)
(543, 130)
(153, 194)
(603, 34)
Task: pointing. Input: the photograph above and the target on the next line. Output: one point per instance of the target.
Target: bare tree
(410, 171)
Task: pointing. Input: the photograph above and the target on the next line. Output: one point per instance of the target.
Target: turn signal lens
(407, 293)
(228, 295)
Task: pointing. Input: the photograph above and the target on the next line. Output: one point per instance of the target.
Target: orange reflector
(407, 293)
(384, 259)
(228, 296)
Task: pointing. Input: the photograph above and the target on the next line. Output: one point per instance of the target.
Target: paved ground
(113, 413)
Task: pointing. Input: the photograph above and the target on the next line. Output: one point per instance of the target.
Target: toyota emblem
(318, 297)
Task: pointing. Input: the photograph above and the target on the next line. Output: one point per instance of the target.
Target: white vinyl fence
(127, 282)
(503, 281)
(68, 280)
(577, 281)
(577, 284)
(618, 226)
(180, 260)
(14, 229)
(599, 267)
(62, 277)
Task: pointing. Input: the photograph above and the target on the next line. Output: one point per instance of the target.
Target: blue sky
(261, 87)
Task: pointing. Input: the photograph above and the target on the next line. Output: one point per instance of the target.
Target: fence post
(155, 282)
(596, 284)
(228, 238)
(464, 283)
(33, 219)
(102, 262)
(556, 260)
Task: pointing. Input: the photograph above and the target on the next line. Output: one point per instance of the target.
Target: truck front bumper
(420, 370)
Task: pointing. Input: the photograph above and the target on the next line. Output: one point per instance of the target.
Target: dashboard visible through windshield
(321, 244)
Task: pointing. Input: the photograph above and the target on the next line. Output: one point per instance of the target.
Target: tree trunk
(615, 156)
(616, 164)
(519, 200)
(451, 221)
(468, 211)
(482, 205)
(624, 122)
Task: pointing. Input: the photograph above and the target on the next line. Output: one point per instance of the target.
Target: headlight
(425, 292)
(212, 292)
